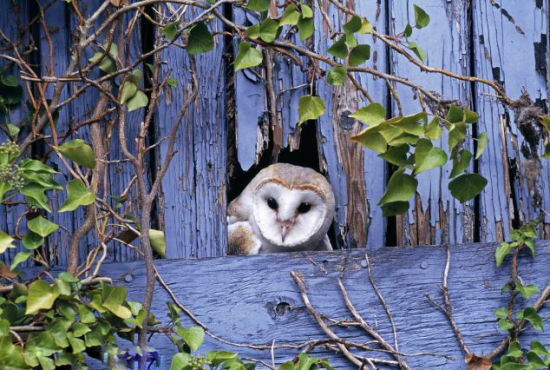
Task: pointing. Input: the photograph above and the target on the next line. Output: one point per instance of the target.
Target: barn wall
(235, 128)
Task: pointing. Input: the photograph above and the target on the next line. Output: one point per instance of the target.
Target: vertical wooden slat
(357, 176)
(194, 189)
(510, 47)
(434, 216)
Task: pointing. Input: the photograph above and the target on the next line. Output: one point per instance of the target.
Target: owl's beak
(285, 228)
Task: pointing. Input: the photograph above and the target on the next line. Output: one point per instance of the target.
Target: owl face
(290, 217)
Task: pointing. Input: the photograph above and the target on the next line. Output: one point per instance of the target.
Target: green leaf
(514, 350)
(136, 76)
(86, 315)
(79, 151)
(32, 165)
(531, 245)
(305, 27)
(181, 361)
(269, 29)
(418, 51)
(41, 296)
(306, 11)
(353, 25)
(258, 5)
(501, 313)
(455, 114)
(461, 163)
(407, 32)
(42, 226)
(457, 134)
(433, 130)
(19, 259)
(372, 140)
(394, 208)
(467, 186)
(470, 116)
(504, 324)
(535, 361)
(172, 81)
(401, 187)
(421, 18)
(9, 80)
(192, 336)
(158, 242)
(77, 344)
(290, 16)
(427, 156)
(171, 31)
(337, 75)
(129, 89)
(78, 195)
(527, 291)
(113, 299)
(366, 26)
(339, 49)
(253, 31)
(32, 241)
(359, 54)
(538, 348)
(139, 100)
(481, 144)
(68, 278)
(310, 108)
(396, 155)
(372, 114)
(217, 357)
(531, 315)
(5, 242)
(35, 192)
(200, 40)
(502, 251)
(247, 57)
(13, 130)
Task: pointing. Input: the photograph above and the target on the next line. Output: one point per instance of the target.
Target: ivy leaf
(158, 242)
(455, 114)
(531, 315)
(139, 100)
(394, 208)
(290, 16)
(258, 5)
(502, 251)
(527, 291)
(535, 361)
(407, 32)
(171, 31)
(9, 80)
(192, 336)
(457, 134)
(433, 130)
(359, 54)
(36, 192)
(200, 40)
(372, 114)
(129, 89)
(418, 51)
(481, 144)
(460, 164)
(467, 186)
(78, 195)
(372, 140)
(247, 57)
(366, 26)
(339, 49)
(172, 82)
(19, 259)
(41, 226)
(41, 296)
(136, 76)
(504, 324)
(501, 313)
(306, 11)
(353, 25)
(217, 357)
(305, 27)
(421, 18)
(401, 187)
(269, 30)
(113, 299)
(5, 242)
(532, 247)
(32, 240)
(427, 156)
(310, 108)
(514, 350)
(79, 151)
(396, 155)
(538, 348)
(337, 75)
(181, 361)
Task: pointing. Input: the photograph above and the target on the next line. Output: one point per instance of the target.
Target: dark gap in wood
(147, 44)
(475, 132)
(513, 175)
(391, 224)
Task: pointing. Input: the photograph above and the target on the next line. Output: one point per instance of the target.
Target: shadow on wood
(254, 300)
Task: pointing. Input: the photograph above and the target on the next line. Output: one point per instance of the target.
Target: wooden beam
(254, 300)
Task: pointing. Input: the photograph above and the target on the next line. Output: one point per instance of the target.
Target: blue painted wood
(357, 176)
(434, 216)
(194, 189)
(509, 47)
(237, 298)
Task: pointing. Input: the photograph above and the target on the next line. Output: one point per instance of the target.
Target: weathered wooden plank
(357, 176)
(510, 46)
(254, 300)
(194, 189)
(434, 216)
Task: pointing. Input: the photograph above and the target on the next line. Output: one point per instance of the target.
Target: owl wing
(242, 240)
(324, 245)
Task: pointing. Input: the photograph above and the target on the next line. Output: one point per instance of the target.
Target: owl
(284, 208)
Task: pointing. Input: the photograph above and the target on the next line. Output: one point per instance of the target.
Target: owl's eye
(304, 207)
(272, 203)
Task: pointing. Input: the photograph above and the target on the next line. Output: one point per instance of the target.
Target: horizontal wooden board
(254, 300)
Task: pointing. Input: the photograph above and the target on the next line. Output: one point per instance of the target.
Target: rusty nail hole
(282, 308)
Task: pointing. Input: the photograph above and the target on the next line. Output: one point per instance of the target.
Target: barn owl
(284, 208)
